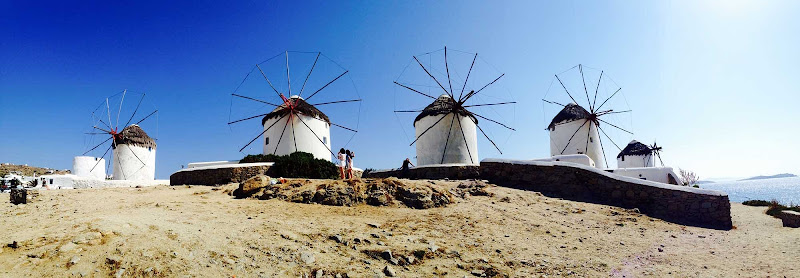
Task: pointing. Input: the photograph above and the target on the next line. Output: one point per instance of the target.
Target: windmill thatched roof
(134, 135)
(443, 105)
(570, 112)
(300, 106)
(635, 148)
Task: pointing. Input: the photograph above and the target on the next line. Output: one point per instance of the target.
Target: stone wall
(217, 175)
(225, 174)
(678, 204)
(790, 218)
(433, 172)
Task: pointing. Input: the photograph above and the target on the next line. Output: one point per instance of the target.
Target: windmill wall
(89, 167)
(431, 145)
(128, 166)
(303, 136)
(561, 139)
(634, 161)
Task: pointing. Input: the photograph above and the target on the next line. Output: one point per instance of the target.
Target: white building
(134, 155)
(301, 127)
(572, 131)
(89, 167)
(635, 154)
(446, 143)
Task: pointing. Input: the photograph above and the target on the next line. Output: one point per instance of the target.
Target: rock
(336, 238)
(410, 259)
(228, 261)
(73, 261)
(119, 273)
(289, 236)
(389, 271)
(251, 186)
(318, 274)
(660, 250)
(432, 247)
(307, 257)
(19, 196)
(477, 272)
(373, 225)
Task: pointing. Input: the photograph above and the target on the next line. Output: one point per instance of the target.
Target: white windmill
(134, 152)
(294, 125)
(575, 129)
(445, 131)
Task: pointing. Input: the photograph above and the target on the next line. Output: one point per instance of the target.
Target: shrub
(756, 203)
(296, 165)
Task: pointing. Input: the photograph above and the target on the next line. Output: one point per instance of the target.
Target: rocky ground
(203, 231)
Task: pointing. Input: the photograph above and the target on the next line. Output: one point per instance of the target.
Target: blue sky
(715, 82)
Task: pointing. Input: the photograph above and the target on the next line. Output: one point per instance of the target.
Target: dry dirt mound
(375, 192)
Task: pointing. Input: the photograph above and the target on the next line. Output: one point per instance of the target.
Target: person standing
(342, 161)
(405, 167)
(350, 156)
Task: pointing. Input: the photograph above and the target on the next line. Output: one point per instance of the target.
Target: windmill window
(623, 158)
(266, 140)
(149, 149)
(324, 140)
(51, 181)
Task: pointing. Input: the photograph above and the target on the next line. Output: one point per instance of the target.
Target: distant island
(785, 175)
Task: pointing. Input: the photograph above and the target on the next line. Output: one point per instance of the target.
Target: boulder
(251, 186)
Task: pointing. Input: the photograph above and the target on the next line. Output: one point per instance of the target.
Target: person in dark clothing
(405, 167)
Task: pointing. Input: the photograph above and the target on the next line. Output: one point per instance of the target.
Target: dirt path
(196, 231)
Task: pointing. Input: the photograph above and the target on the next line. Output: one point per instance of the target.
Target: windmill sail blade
(447, 67)
(588, 136)
(101, 120)
(344, 127)
(615, 126)
(614, 112)
(490, 104)
(338, 101)
(262, 133)
(434, 78)
(407, 111)
(609, 138)
(135, 110)
(288, 77)
(490, 139)
(612, 95)
(465, 79)
(294, 138)
(595, 92)
(565, 89)
(101, 158)
(447, 141)
(407, 87)
(98, 145)
(315, 135)
(573, 136)
(603, 150)
(248, 118)
(553, 102)
(107, 131)
(591, 108)
(253, 99)
(484, 87)
(137, 157)
(461, 127)
(326, 85)
(145, 117)
(309, 74)
(499, 123)
(269, 82)
(120, 105)
(281, 137)
(429, 128)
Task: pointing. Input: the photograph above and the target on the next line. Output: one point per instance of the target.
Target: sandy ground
(196, 231)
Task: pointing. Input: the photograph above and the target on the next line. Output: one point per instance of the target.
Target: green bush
(756, 203)
(296, 165)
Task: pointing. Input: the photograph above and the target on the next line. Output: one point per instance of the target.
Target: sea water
(785, 190)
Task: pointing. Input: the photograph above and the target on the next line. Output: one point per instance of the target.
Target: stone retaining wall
(678, 204)
(432, 172)
(790, 218)
(217, 175)
(225, 174)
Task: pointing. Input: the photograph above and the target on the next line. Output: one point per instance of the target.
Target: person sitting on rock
(342, 161)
